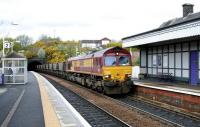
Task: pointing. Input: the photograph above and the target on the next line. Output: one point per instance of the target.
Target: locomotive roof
(95, 54)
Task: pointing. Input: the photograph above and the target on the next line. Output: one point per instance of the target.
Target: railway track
(167, 117)
(175, 118)
(164, 115)
(96, 116)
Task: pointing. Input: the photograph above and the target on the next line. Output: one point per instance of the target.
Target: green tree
(57, 57)
(30, 54)
(113, 44)
(41, 53)
(17, 46)
(47, 39)
(24, 40)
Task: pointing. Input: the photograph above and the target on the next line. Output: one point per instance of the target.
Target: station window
(154, 60)
(165, 60)
(159, 60)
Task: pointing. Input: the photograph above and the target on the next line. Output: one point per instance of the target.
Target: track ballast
(95, 116)
(172, 117)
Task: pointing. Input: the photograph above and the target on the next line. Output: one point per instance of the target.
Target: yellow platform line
(50, 117)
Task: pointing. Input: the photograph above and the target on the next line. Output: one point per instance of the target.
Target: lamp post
(3, 38)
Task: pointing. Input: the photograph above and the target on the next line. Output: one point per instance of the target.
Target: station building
(172, 49)
(95, 43)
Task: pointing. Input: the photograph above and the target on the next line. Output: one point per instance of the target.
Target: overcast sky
(87, 19)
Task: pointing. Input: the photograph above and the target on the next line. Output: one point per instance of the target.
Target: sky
(86, 19)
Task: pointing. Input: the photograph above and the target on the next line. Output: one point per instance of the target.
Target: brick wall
(188, 102)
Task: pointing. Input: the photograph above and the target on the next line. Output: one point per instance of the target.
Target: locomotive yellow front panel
(117, 73)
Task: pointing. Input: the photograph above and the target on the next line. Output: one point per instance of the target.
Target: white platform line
(171, 89)
(69, 106)
(12, 111)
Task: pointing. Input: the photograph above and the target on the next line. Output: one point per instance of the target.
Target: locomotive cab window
(124, 60)
(110, 61)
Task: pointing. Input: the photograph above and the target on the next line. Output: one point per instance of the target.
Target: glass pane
(166, 48)
(159, 60)
(178, 60)
(149, 60)
(154, 60)
(160, 49)
(8, 79)
(110, 61)
(165, 60)
(185, 60)
(171, 48)
(185, 47)
(16, 63)
(124, 60)
(21, 63)
(19, 79)
(18, 71)
(149, 70)
(154, 49)
(178, 47)
(171, 60)
(0, 64)
(8, 71)
(8, 63)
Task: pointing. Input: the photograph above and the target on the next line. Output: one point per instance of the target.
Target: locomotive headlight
(107, 76)
(128, 75)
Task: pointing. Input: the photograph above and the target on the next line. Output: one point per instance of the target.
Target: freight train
(108, 71)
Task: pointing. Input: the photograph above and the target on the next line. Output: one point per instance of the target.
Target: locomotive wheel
(100, 89)
(83, 82)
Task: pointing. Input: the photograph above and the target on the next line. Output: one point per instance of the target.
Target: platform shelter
(14, 68)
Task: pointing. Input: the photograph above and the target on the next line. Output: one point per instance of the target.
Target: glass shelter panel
(185, 60)
(193, 46)
(143, 57)
(178, 60)
(185, 73)
(160, 60)
(165, 48)
(149, 60)
(171, 48)
(8, 63)
(171, 60)
(15, 71)
(165, 60)
(185, 46)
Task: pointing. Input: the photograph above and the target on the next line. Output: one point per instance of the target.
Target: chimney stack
(187, 8)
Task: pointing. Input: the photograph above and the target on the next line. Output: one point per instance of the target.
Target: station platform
(169, 86)
(36, 104)
(182, 96)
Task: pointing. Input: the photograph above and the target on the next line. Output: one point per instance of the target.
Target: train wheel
(100, 89)
(82, 81)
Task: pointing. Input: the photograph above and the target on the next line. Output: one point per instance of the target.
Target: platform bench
(166, 76)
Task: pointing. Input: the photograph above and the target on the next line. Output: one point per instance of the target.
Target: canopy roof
(178, 28)
(14, 55)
